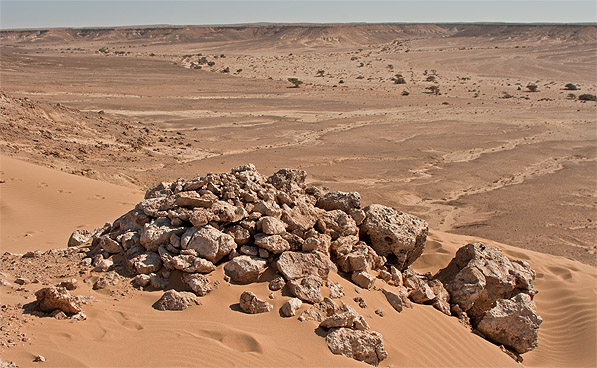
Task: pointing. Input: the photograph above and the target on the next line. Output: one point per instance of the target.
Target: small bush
(433, 89)
(571, 96)
(587, 97)
(571, 87)
(295, 82)
(430, 78)
(405, 93)
(532, 87)
(226, 70)
(211, 63)
(399, 79)
(320, 73)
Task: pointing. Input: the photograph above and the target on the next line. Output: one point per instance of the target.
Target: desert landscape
(485, 132)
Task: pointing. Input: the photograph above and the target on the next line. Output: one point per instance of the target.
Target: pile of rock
(186, 228)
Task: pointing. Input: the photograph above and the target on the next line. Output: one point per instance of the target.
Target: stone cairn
(250, 223)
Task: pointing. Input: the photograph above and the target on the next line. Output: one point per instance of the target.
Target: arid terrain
(485, 158)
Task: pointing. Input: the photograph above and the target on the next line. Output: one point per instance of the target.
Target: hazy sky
(87, 13)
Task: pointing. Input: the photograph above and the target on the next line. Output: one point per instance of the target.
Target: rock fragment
(365, 346)
(290, 307)
(176, 301)
(249, 303)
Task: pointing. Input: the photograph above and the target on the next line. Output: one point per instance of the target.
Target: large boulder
(51, 298)
(480, 274)
(209, 242)
(176, 301)
(512, 322)
(395, 233)
(244, 269)
(251, 304)
(366, 346)
(295, 265)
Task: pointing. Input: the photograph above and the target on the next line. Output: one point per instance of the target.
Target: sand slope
(41, 207)
(123, 330)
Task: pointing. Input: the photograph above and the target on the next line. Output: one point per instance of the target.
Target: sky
(94, 13)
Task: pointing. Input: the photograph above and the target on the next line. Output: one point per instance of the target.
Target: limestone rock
(107, 279)
(479, 275)
(176, 301)
(308, 289)
(70, 284)
(277, 284)
(336, 290)
(272, 226)
(249, 303)
(199, 283)
(288, 180)
(147, 262)
(348, 319)
(294, 265)
(363, 279)
(512, 322)
(394, 299)
(244, 269)
(158, 233)
(272, 243)
(240, 235)
(364, 346)
(340, 201)
(209, 242)
(190, 263)
(51, 298)
(79, 237)
(441, 302)
(109, 245)
(396, 233)
(290, 307)
(336, 223)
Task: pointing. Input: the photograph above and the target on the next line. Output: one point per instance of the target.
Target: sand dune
(123, 329)
(41, 207)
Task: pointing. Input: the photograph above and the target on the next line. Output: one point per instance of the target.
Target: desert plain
(91, 118)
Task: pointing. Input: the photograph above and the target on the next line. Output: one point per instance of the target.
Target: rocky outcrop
(295, 235)
(480, 274)
(244, 269)
(495, 293)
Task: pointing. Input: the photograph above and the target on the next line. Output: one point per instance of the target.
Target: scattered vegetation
(532, 87)
(399, 79)
(405, 93)
(433, 89)
(571, 87)
(320, 73)
(430, 78)
(295, 82)
(571, 96)
(587, 97)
